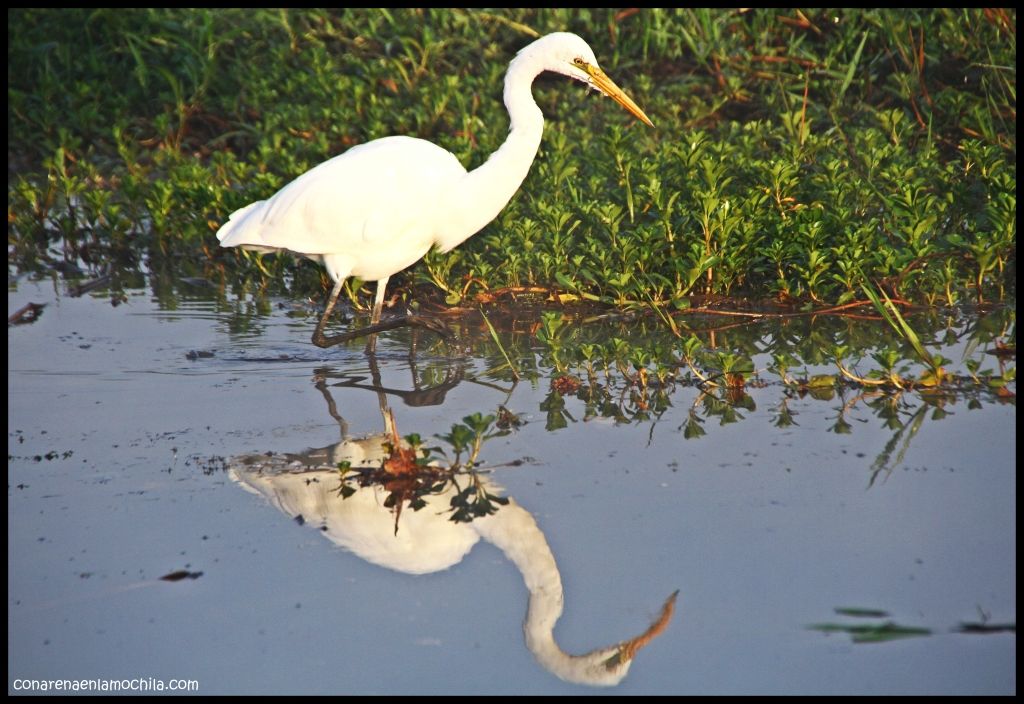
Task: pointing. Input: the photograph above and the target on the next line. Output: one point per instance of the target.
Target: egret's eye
(579, 62)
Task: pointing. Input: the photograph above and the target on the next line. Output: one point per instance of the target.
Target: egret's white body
(379, 207)
(360, 213)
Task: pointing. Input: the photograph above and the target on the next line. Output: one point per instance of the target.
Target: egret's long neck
(486, 190)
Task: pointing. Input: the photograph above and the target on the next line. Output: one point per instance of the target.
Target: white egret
(379, 207)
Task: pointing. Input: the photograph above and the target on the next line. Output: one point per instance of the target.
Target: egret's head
(569, 55)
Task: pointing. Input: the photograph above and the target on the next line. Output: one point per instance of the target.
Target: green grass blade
(851, 69)
(494, 336)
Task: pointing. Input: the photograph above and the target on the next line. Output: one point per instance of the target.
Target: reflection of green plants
(878, 632)
(935, 374)
(693, 426)
(557, 415)
(412, 471)
(691, 347)
(888, 630)
(898, 323)
(716, 368)
(988, 377)
(474, 502)
(627, 373)
(497, 341)
(889, 409)
(727, 410)
(552, 333)
(468, 437)
(783, 415)
(734, 368)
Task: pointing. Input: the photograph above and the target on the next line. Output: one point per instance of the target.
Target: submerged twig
(83, 289)
(26, 314)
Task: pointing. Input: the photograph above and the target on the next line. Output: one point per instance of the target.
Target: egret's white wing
(383, 198)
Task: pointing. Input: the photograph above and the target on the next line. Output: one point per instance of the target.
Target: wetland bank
(829, 487)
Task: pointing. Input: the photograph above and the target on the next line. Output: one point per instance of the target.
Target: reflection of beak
(607, 86)
(629, 649)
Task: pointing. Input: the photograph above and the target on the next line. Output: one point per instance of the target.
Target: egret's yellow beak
(607, 86)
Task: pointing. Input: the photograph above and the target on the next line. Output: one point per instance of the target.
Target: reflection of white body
(427, 541)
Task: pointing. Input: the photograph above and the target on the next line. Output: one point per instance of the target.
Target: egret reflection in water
(360, 520)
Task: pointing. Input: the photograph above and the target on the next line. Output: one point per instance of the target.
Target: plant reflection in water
(448, 508)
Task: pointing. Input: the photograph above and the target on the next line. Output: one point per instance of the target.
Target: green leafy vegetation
(798, 156)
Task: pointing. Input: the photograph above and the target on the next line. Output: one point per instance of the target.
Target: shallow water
(130, 458)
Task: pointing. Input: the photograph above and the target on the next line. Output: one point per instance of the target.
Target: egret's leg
(378, 305)
(318, 335)
(378, 302)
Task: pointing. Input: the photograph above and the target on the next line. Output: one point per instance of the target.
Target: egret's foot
(432, 324)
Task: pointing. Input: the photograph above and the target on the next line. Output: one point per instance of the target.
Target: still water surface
(130, 458)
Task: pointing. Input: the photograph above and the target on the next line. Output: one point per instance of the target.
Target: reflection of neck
(513, 530)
